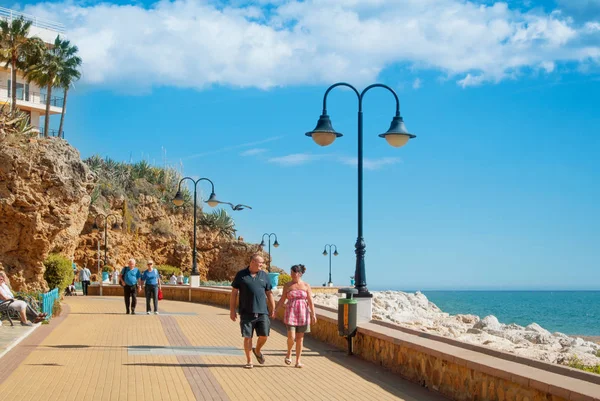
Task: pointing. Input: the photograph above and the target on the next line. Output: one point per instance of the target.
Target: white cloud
(417, 83)
(228, 148)
(253, 152)
(548, 66)
(370, 164)
(196, 44)
(295, 159)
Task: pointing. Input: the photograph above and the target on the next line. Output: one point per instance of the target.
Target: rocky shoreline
(415, 311)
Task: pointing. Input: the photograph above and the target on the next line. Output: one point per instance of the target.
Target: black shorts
(250, 323)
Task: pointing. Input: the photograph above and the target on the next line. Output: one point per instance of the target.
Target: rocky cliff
(50, 200)
(161, 233)
(44, 203)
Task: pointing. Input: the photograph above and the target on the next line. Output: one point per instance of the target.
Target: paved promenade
(188, 352)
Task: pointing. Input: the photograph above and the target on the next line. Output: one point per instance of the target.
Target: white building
(30, 98)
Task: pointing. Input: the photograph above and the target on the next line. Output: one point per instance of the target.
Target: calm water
(570, 312)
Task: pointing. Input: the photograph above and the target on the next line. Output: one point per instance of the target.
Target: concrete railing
(457, 370)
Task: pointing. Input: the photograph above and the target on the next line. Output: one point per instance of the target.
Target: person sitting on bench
(21, 307)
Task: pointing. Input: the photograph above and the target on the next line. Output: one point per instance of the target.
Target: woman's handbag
(160, 295)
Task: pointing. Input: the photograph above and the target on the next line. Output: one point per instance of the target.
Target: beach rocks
(415, 311)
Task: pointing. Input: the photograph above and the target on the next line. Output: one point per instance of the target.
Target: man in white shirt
(173, 279)
(21, 307)
(84, 277)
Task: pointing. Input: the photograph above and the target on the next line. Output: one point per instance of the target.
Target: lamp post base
(364, 309)
(195, 281)
(330, 284)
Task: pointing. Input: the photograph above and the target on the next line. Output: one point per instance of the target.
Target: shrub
(107, 269)
(162, 227)
(284, 278)
(56, 308)
(215, 283)
(59, 272)
(219, 221)
(577, 364)
(167, 270)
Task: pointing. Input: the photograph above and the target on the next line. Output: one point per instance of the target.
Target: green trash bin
(347, 312)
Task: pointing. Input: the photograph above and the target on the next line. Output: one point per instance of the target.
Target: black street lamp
(396, 136)
(212, 202)
(115, 226)
(335, 253)
(275, 244)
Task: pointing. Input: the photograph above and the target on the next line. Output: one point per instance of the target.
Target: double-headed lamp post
(212, 202)
(397, 136)
(275, 244)
(325, 253)
(115, 226)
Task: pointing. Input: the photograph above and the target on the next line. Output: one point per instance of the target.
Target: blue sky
(499, 189)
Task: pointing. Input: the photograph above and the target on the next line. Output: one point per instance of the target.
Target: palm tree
(67, 77)
(17, 50)
(57, 61)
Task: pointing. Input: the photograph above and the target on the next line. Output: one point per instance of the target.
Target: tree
(67, 77)
(60, 60)
(17, 50)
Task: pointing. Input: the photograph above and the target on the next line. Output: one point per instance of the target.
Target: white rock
(415, 311)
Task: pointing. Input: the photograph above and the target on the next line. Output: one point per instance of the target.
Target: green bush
(167, 270)
(215, 283)
(59, 272)
(577, 364)
(107, 269)
(284, 278)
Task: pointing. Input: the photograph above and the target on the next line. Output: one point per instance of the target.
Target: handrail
(34, 97)
(37, 22)
(48, 300)
(51, 132)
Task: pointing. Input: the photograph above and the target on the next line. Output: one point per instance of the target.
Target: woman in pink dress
(299, 312)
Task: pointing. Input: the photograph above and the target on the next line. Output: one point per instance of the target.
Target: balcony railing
(9, 15)
(51, 132)
(33, 97)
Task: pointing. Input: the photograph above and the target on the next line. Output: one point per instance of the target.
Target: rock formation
(164, 234)
(44, 202)
(415, 311)
(49, 200)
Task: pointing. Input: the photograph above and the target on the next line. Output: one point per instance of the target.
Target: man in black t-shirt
(256, 305)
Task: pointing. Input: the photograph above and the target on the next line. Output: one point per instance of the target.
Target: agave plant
(17, 123)
(219, 221)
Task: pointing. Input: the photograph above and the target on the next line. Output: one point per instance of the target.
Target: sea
(568, 312)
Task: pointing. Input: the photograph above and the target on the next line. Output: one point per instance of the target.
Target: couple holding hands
(257, 305)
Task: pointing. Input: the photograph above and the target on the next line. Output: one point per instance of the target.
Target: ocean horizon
(573, 312)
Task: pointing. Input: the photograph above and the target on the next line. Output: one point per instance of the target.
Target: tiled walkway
(190, 351)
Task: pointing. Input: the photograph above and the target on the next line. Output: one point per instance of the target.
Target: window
(22, 91)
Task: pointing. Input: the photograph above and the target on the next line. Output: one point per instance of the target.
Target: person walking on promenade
(299, 312)
(130, 279)
(256, 305)
(84, 277)
(151, 279)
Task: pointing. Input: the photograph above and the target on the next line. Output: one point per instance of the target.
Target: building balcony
(28, 100)
(51, 132)
(42, 28)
